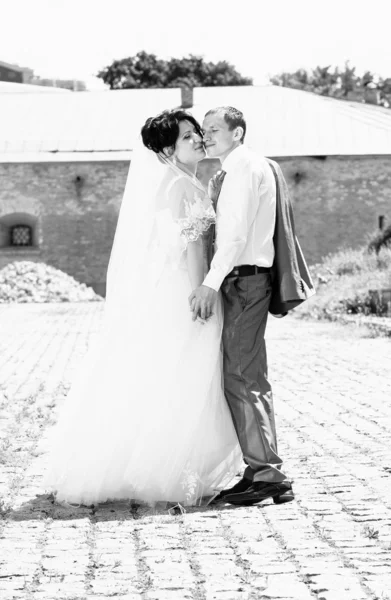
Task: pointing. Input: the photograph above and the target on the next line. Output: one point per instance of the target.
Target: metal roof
(10, 87)
(104, 125)
(287, 122)
(87, 122)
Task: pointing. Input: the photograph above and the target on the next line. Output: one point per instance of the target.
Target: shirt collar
(233, 157)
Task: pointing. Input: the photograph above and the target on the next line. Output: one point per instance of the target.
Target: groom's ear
(238, 134)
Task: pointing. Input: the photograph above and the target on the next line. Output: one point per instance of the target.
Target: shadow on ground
(45, 506)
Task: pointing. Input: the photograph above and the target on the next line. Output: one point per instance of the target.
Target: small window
(19, 230)
(21, 235)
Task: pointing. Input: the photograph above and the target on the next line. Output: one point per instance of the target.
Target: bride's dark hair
(162, 131)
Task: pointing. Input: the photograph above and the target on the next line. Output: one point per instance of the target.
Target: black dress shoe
(262, 490)
(242, 486)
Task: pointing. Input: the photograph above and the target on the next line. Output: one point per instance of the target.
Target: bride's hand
(202, 321)
(201, 301)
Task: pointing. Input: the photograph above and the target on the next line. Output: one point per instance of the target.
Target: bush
(344, 281)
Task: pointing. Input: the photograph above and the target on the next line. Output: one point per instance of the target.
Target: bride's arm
(194, 213)
(195, 262)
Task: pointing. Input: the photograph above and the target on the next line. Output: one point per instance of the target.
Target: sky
(74, 39)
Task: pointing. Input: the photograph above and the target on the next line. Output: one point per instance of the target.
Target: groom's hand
(201, 301)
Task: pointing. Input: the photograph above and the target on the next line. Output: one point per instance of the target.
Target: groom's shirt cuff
(214, 280)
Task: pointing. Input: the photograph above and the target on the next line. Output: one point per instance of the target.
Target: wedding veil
(147, 234)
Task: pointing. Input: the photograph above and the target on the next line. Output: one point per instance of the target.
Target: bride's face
(189, 147)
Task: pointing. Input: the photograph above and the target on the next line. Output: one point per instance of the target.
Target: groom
(241, 268)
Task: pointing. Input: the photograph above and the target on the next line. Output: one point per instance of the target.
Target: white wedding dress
(146, 418)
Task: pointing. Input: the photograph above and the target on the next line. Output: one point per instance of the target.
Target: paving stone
(338, 583)
(117, 597)
(237, 595)
(333, 407)
(286, 586)
(179, 594)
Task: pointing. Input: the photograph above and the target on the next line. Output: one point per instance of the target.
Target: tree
(349, 80)
(323, 81)
(300, 80)
(384, 86)
(367, 78)
(338, 83)
(190, 71)
(147, 71)
(141, 71)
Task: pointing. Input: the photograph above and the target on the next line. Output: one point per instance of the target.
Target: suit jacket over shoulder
(292, 283)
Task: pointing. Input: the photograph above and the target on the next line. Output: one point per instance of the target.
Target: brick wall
(76, 217)
(337, 202)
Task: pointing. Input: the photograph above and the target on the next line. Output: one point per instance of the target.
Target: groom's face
(219, 140)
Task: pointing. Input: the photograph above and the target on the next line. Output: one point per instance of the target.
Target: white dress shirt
(245, 216)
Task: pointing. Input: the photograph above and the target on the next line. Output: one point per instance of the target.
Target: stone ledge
(24, 250)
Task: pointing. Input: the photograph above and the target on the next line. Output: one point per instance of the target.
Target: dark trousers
(247, 389)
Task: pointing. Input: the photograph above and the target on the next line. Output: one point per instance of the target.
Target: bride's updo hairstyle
(162, 131)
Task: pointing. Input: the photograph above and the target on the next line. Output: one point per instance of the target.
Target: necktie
(214, 188)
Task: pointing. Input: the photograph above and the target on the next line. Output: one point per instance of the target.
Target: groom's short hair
(233, 116)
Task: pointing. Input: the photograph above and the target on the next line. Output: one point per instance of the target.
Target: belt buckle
(235, 272)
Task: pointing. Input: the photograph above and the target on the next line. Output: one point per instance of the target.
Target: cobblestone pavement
(333, 404)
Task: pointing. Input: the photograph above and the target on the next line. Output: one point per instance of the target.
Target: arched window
(18, 230)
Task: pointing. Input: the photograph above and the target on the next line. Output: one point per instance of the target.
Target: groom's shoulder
(257, 161)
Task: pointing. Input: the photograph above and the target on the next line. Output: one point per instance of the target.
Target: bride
(146, 417)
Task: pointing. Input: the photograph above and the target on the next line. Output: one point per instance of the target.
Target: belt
(246, 270)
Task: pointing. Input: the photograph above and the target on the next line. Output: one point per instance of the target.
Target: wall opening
(18, 230)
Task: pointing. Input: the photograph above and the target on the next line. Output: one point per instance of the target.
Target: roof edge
(60, 157)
